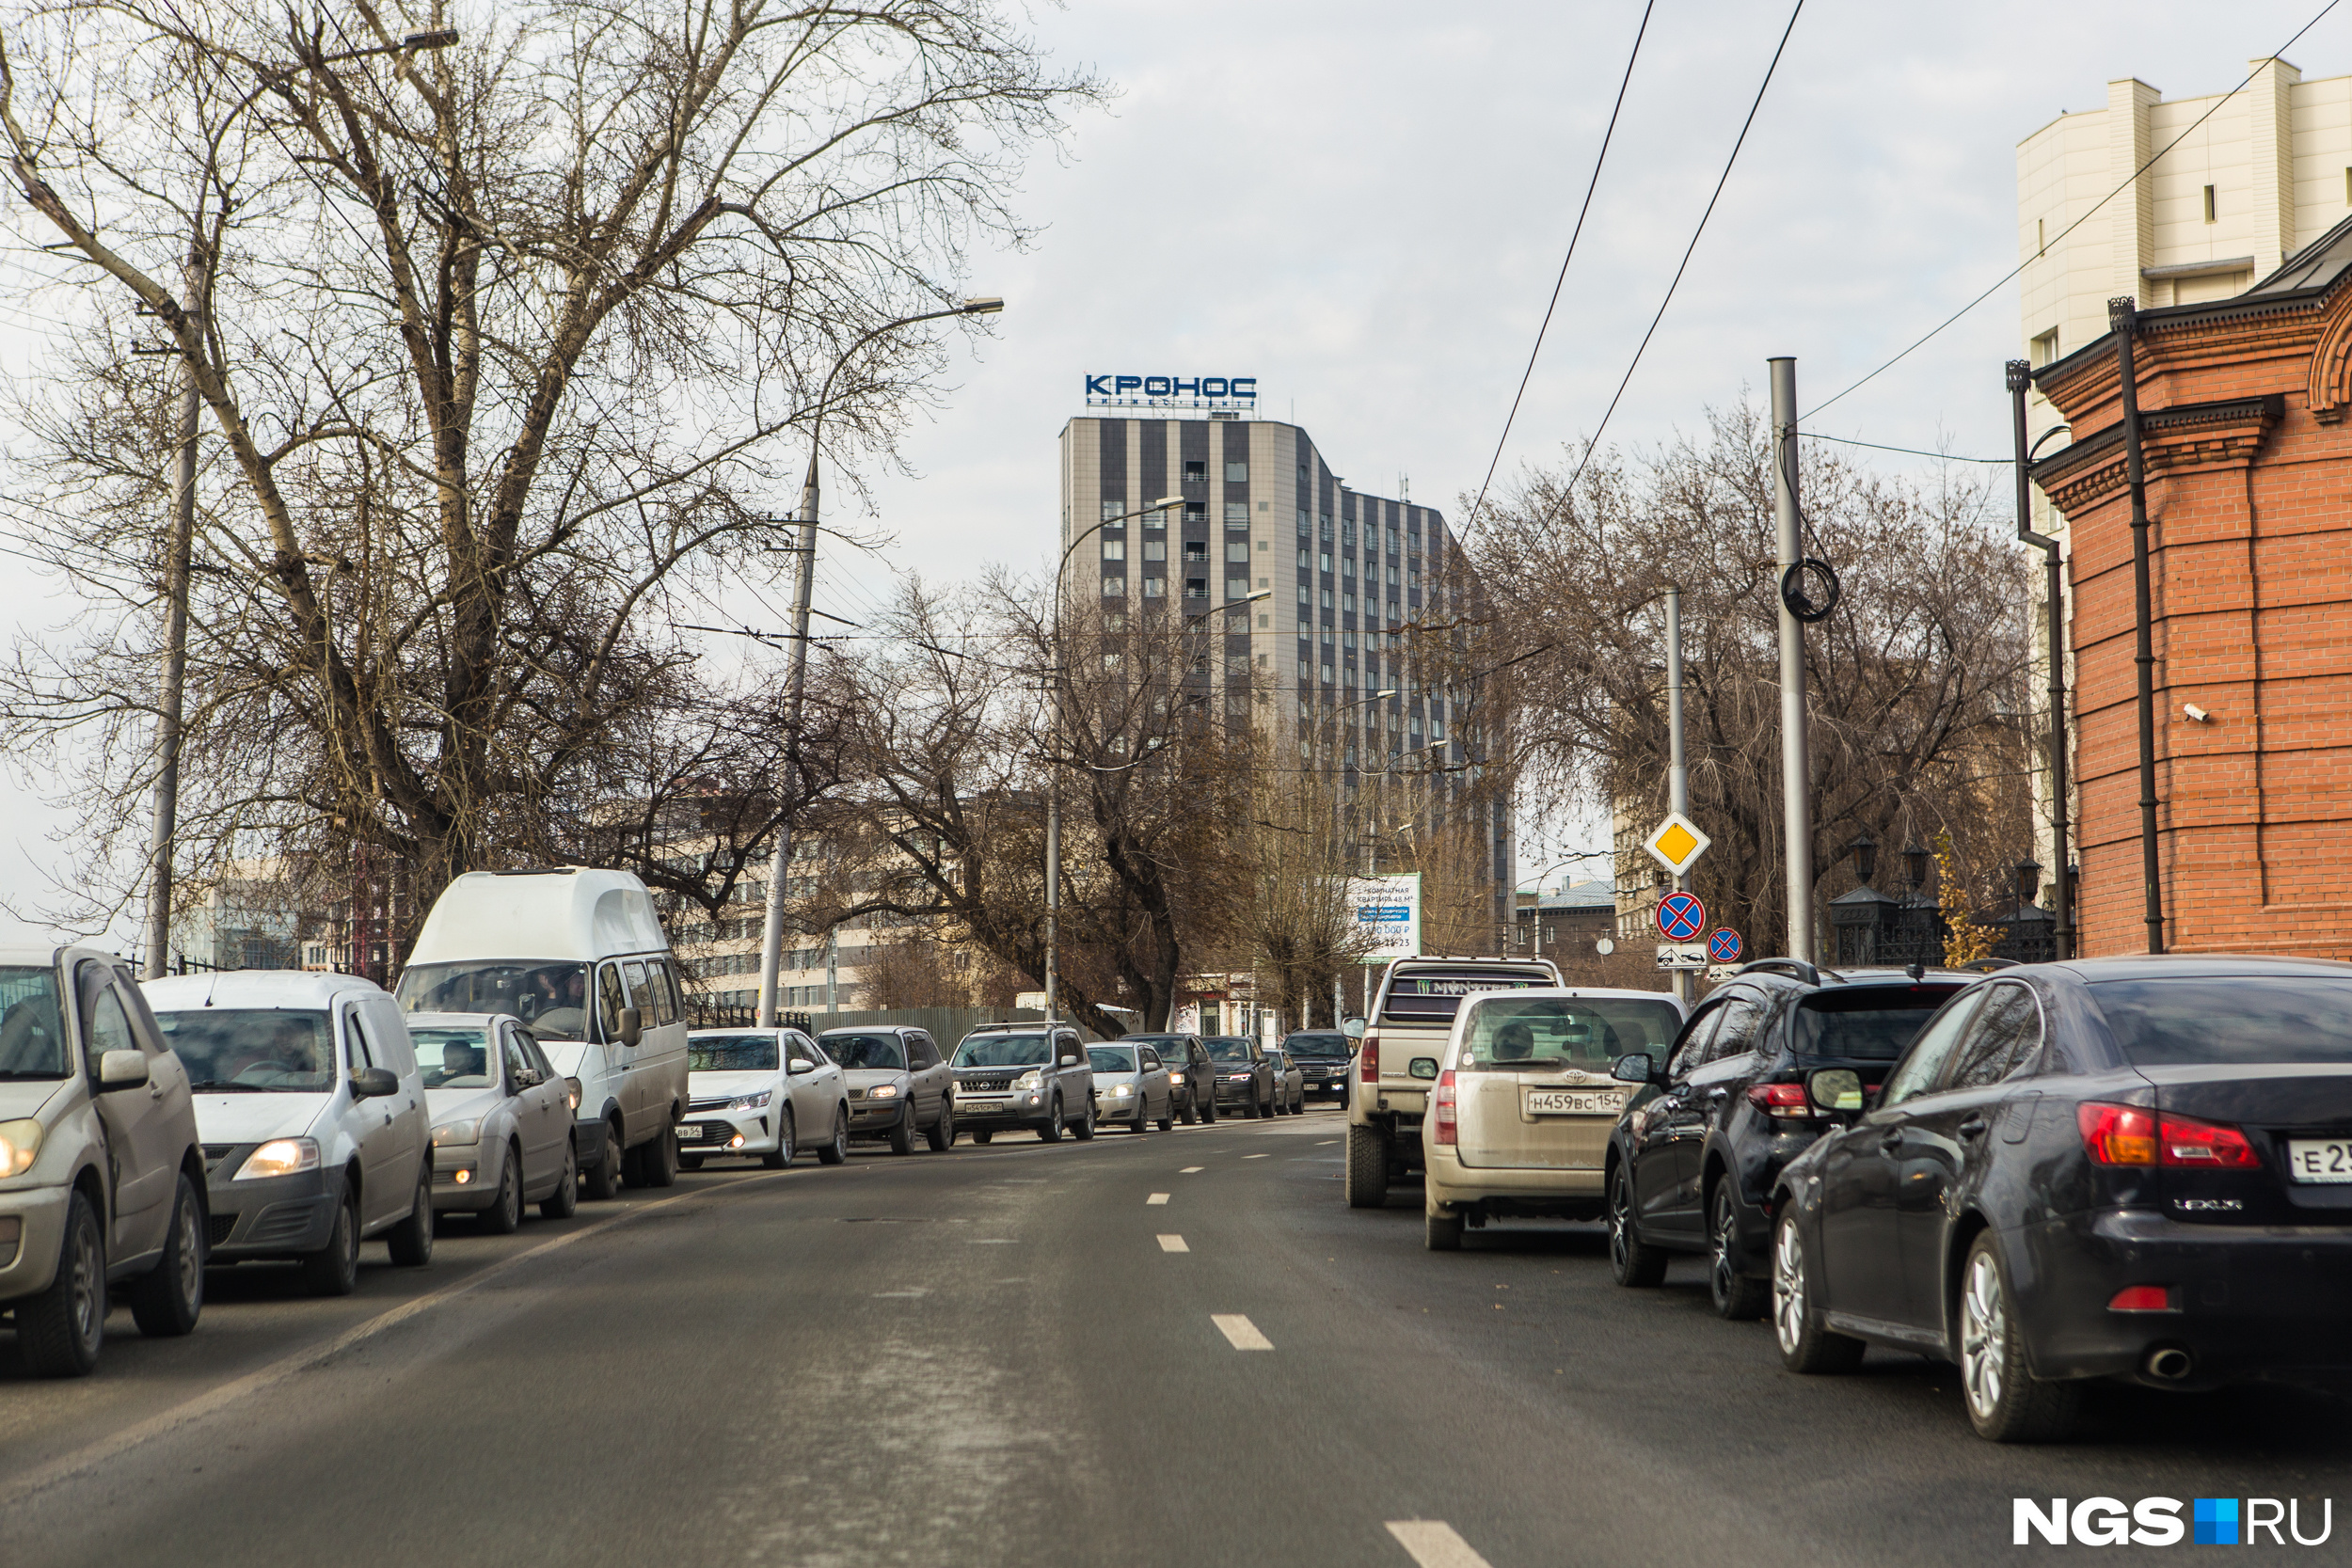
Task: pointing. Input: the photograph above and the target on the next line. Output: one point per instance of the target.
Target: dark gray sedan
(1242, 1073)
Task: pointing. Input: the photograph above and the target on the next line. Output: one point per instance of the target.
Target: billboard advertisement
(1387, 910)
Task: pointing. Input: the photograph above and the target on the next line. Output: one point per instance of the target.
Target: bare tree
(1914, 682)
(496, 343)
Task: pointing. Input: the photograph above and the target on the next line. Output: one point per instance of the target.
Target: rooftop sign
(1111, 390)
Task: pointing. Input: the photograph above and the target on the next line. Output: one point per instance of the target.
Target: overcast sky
(1364, 205)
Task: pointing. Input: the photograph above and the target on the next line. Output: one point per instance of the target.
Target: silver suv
(102, 1179)
(1015, 1075)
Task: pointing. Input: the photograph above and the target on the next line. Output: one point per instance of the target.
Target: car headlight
(1242, 1077)
(1176, 1078)
(882, 1091)
(571, 1092)
(457, 1133)
(1122, 1091)
(20, 1145)
(281, 1157)
(1029, 1080)
(751, 1101)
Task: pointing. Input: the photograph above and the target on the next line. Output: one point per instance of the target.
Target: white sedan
(761, 1093)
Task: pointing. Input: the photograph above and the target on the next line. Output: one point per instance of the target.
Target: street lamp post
(772, 934)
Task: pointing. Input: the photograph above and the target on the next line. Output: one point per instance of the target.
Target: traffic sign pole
(1678, 771)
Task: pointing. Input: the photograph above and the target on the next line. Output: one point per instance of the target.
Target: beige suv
(1396, 1061)
(1524, 1103)
(102, 1179)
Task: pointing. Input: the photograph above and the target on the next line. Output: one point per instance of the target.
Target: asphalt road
(997, 1357)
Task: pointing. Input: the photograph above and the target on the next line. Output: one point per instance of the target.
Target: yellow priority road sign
(1676, 843)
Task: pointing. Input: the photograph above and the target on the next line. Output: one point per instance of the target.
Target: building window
(1237, 549)
(1327, 674)
(1113, 620)
(1326, 598)
(1196, 588)
(1302, 522)
(1114, 550)
(1392, 538)
(1155, 587)
(1302, 671)
(1196, 471)
(1348, 565)
(1195, 512)
(2046, 347)
(2208, 203)
(1325, 562)
(1196, 549)
(1326, 530)
(1237, 588)
(1347, 603)
(1236, 473)
(1302, 597)
(1114, 588)
(1305, 564)
(1156, 549)
(1113, 511)
(1236, 513)
(1347, 534)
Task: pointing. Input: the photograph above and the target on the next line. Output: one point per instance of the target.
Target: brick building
(2248, 460)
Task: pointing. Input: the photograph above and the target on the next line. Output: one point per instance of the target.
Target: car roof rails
(1796, 969)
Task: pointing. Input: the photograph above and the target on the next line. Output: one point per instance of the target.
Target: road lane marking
(1173, 1244)
(901, 1295)
(1434, 1544)
(1156, 1197)
(1192, 1171)
(1326, 1143)
(1253, 1156)
(1240, 1331)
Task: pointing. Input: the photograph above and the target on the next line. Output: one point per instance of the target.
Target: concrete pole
(779, 864)
(1796, 773)
(832, 971)
(168, 701)
(1678, 770)
(1053, 883)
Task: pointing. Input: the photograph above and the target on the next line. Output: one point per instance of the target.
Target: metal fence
(947, 1026)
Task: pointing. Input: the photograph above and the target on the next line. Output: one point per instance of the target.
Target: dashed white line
(1326, 1142)
(912, 1295)
(1173, 1244)
(1239, 1331)
(1156, 1197)
(1253, 1156)
(1192, 1171)
(1434, 1544)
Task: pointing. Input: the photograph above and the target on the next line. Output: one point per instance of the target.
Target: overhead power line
(1593, 445)
(2044, 250)
(1913, 451)
(1590, 186)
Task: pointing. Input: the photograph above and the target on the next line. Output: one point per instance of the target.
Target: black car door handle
(1716, 1097)
(1972, 1128)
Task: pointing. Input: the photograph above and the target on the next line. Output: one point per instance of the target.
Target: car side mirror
(526, 1078)
(1070, 1061)
(799, 1065)
(121, 1069)
(1836, 1090)
(1634, 1067)
(1423, 1067)
(632, 1026)
(1353, 1028)
(374, 1083)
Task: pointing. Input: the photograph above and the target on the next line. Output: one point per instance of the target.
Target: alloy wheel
(1983, 1335)
(1719, 1263)
(1788, 1302)
(191, 1254)
(1620, 1199)
(90, 1287)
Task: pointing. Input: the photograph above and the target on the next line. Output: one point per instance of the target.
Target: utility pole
(1053, 870)
(1678, 771)
(2019, 379)
(2123, 320)
(779, 864)
(1796, 772)
(168, 707)
(833, 970)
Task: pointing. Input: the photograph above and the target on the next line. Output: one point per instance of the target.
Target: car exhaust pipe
(2170, 1363)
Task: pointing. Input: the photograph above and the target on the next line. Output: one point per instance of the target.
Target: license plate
(688, 1133)
(2324, 1159)
(1571, 1103)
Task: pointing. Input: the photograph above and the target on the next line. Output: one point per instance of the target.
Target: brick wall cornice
(2183, 439)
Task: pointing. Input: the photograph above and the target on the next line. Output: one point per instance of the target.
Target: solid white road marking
(1253, 1156)
(1240, 1331)
(1173, 1244)
(1192, 1171)
(1156, 1197)
(1434, 1544)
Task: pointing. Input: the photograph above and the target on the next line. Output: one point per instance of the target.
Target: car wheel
(58, 1331)
(604, 1180)
(504, 1217)
(1444, 1231)
(902, 1135)
(1805, 1346)
(334, 1269)
(1190, 1115)
(2007, 1404)
(660, 1159)
(1168, 1117)
(1051, 1131)
(1143, 1121)
(170, 1297)
(1083, 1128)
(985, 1134)
(1738, 1298)
(690, 1162)
(781, 1158)
(1367, 1168)
(1631, 1260)
(563, 1203)
(411, 1240)
(838, 1151)
(941, 1134)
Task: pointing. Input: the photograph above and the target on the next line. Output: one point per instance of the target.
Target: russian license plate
(2320, 1159)
(1571, 1103)
(689, 1132)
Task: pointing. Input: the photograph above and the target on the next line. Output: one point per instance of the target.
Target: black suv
(1692, 1161)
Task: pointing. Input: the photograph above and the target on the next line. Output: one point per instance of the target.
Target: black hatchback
(2136, 1168)
(1693, 1159)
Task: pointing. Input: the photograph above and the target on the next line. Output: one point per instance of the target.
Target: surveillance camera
(2199, 714)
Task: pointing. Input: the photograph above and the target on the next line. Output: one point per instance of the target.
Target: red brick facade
(2249, 498)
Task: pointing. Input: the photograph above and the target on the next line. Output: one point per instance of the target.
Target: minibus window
(611, 999)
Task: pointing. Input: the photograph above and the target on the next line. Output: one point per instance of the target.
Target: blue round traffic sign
(1723, 946)
(1680, 916)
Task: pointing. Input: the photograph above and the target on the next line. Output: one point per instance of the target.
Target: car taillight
(2142, 1298)
(1780, 1100)
(1368, 1060)
(2128, 1136)
(1446, 1129)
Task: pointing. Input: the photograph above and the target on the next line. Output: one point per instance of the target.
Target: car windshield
(1003, 1051)
(1868, 1024)
(1436, 997)
(551, 997)
(1510, 1036)
(1227, 1048)
(883, 1051)
(1318, 1047)
(451, 1058)
(32, 1036)
(731, 1053)
(1111, 1058)
(2225, 1021)
(252, 1050)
